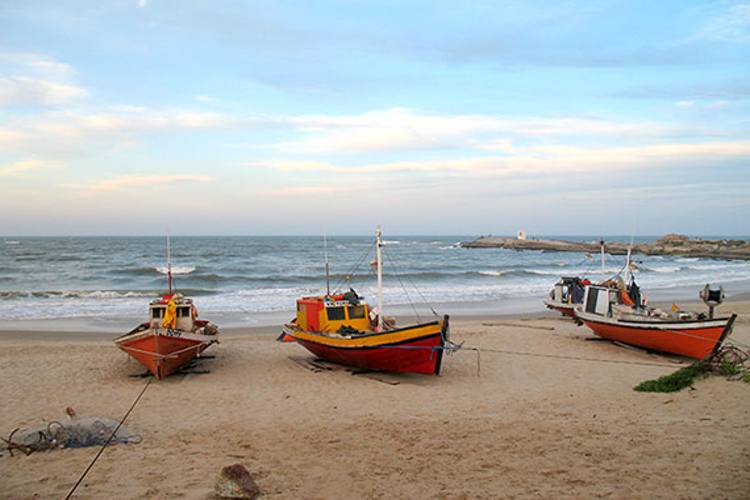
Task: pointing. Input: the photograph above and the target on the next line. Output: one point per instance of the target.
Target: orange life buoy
(625, 298)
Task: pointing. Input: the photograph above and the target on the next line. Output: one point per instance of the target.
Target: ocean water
(109, 277)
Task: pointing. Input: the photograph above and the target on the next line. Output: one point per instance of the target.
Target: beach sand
(512, 426)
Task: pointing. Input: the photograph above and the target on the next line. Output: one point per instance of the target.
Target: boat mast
(328, 273)
(628, 271)
(379, 259)
(601, 251)
(169, 265)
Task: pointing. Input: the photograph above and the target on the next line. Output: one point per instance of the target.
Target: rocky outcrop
(671, 244)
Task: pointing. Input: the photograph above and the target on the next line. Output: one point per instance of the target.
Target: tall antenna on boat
(379, 259)
(601, 251)
(169, 265)
(328, 273)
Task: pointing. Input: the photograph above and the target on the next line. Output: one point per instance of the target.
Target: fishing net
(78, 432)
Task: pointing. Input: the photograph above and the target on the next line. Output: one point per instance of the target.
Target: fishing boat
(172, 336)
(341, 328)
(685, 333)
(566, 294)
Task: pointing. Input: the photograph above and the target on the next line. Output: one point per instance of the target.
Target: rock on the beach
(236, 482)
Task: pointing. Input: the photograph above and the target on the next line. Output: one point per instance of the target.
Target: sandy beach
(511, 426)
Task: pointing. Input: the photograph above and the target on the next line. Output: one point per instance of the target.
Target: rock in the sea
(673, 238)
(236, 482)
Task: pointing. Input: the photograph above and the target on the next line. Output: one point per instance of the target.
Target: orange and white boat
(342, 329)
(172, 336)
(566, 294)
(694, 335)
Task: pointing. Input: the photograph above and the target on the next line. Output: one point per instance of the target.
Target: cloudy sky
(270, 117)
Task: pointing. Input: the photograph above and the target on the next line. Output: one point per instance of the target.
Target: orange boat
(694, 335)
(173, 335)
(342, 329)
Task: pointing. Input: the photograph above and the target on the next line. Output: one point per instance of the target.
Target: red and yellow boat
(680, 332)
(171, 337)
(342, 329)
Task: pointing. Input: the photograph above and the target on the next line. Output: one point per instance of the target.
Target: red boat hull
(422, 355)
(162, 355)
(691, 339)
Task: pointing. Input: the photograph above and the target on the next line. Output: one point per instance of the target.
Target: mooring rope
(458, 347)
(101, 450)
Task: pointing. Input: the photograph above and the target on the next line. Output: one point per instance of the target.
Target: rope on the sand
(575, 358)
(101, 450)
(457, 347)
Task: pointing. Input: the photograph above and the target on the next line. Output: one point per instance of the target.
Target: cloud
(142, 3)
(532, 160)
(206, 99)
(731, 25)
(25, 166)
(36, 79)
(40, 65)
(12, 137)
(723, 90)
(124, 182)
(61, 131)
(20, 90)
(400, 129)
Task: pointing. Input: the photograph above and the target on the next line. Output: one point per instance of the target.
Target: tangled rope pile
(730, 361)
(76, 433)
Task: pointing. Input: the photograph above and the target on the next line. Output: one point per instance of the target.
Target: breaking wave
(176, 269)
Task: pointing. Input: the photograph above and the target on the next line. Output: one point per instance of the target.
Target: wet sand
(493, 425)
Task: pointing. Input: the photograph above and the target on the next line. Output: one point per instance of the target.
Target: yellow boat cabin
(333, 313)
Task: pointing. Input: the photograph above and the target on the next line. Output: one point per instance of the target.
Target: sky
(140, 117)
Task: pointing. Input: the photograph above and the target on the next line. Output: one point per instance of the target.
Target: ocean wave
(664, 269)
(93, 294)
(494, 273)
(151, 270)
(176, 269)
(12, 242)
(451, 247)
(66, 258)
(698, 267)
(571, 272)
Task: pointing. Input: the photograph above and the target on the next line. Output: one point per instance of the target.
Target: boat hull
(163, 354)
(416, 349)
(564, 309)
(693, 339)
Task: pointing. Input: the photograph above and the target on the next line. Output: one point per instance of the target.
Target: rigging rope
(398, 275)
(424, 299)
(358, 263)
(101, 450)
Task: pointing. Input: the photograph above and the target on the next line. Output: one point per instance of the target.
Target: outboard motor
(711, 298)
